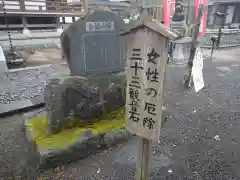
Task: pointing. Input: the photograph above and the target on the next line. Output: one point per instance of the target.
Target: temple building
(231, 9)
(47, 14)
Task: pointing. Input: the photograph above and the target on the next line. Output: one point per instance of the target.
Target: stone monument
(96, 58)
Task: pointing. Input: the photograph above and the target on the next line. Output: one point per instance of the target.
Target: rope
(8, 30)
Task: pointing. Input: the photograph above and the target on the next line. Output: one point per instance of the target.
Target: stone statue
(178, 19)
(179, 11)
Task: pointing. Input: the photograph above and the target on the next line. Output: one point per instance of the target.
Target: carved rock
(53, 96)
(83, 99)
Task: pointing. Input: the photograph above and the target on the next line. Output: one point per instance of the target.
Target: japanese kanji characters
(134, 85)
(152, 76)
(142, 98)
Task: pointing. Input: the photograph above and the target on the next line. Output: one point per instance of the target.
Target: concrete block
(3, 63)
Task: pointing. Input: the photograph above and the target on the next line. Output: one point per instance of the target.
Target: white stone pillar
(3, 63)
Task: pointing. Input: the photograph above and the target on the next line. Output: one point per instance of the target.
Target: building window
(222, 8)
(212, 20)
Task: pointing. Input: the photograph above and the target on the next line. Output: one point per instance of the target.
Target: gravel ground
(26, 84)
(198, 142)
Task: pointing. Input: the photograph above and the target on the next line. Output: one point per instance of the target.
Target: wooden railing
(52, 7)
(45, 7)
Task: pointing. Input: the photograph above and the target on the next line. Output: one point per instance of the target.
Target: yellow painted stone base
(38, 128)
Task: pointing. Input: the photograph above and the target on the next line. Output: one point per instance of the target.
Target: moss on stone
(69, 136)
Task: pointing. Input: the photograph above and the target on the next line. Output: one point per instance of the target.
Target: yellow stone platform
(38, 130)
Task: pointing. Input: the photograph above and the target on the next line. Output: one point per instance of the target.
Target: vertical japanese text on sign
(134, 86)
(152, 76)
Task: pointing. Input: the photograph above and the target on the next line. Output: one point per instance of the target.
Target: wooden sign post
(146, 64)
(188, 81)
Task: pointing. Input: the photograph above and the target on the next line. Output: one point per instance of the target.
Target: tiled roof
(211, 2)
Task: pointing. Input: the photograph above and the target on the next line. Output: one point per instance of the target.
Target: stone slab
(31, 35)
(14, 106)
(23, 88)
(34, 39)
(86, 145)
(19, 44)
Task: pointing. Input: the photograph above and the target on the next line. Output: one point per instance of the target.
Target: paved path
(37, 57)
